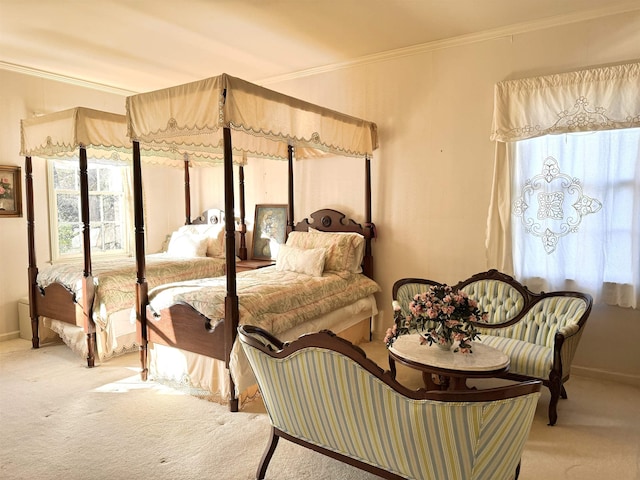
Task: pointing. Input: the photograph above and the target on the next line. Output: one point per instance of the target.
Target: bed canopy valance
(61, 134)
(103, 136)
(265, 123)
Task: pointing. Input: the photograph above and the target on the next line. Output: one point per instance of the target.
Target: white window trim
(55, 255)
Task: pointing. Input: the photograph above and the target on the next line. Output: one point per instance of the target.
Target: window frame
(56, 255)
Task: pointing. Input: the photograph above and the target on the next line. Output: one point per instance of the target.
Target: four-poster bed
(231, 117)
(89, 305)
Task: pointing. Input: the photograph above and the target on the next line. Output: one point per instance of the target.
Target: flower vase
(445, 346)
(444, 340)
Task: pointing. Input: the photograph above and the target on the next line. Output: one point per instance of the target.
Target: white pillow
(214, 235)
(308, 261)
(187, 244)
(215, 245)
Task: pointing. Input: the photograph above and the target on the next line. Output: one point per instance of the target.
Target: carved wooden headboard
(329, 220)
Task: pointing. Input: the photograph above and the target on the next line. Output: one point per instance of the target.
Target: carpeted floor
(61, 420)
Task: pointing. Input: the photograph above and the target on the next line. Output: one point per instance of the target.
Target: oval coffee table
(451, 368)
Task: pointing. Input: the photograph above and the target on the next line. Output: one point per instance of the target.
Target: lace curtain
(554, 195)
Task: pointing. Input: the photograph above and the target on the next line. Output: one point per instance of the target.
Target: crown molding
(34, 72)
(515, 29)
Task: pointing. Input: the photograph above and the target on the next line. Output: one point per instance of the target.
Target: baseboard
(9, 336)
(626, 379)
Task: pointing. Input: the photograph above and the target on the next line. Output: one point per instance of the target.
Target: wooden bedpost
(369, 227)
(87, 278)
(142, 289)
(32, 271)
(231, 314)
(290, 216)
(242, 229)
(369, 231)
(187, 192)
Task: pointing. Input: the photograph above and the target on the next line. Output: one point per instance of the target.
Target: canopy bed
(231, 117)
(89, 305)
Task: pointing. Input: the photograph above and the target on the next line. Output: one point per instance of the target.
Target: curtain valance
(192, 117)
(604, 98)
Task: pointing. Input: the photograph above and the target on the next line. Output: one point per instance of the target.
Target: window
(565, 205)
(108, 193)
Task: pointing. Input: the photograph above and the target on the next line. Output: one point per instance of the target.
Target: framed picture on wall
(10, 191)
(269, 231)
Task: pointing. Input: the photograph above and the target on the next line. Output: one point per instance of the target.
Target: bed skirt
(119, 338)
(206, 377)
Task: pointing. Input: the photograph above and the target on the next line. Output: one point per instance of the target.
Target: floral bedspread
(275, 301)
(115, 279)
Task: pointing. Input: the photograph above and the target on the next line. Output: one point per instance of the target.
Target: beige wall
(431, 176)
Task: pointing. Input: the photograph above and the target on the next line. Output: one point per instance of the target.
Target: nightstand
(252, 264)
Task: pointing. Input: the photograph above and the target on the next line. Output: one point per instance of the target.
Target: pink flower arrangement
(441, 315)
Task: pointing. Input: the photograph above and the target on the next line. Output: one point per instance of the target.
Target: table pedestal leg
(458, 383)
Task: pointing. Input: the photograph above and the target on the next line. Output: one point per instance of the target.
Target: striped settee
(322, 392)
(538, 331)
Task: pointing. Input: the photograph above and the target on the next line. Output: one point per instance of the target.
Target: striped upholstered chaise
(539, 331)
(322, 392)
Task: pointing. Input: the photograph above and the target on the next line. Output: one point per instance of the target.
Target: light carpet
(61, 420)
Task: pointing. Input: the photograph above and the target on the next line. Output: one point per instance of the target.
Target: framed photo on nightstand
(269, 231)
